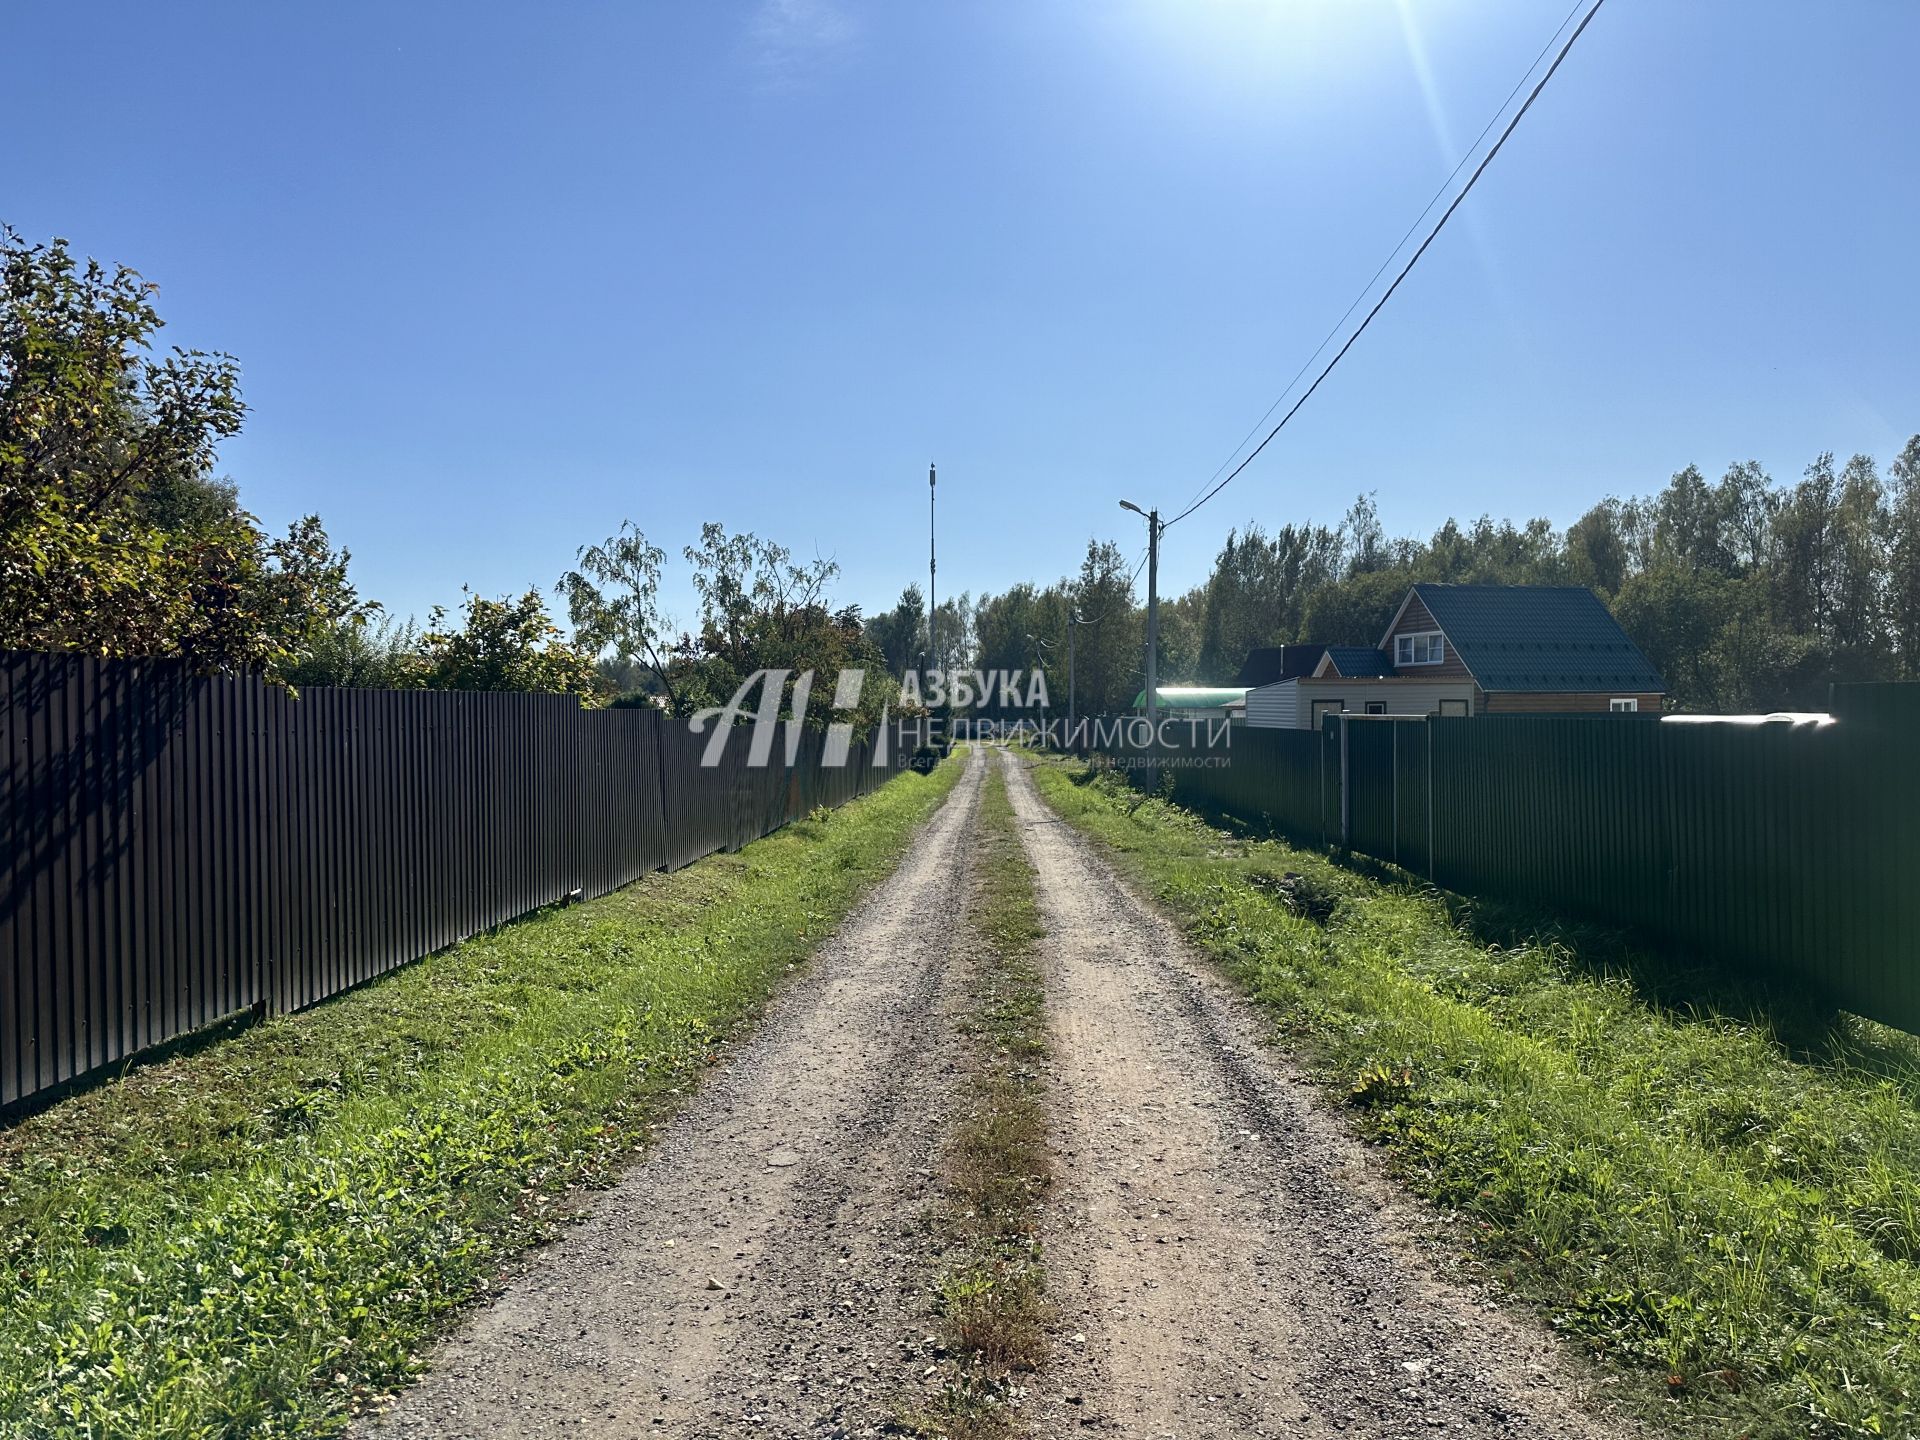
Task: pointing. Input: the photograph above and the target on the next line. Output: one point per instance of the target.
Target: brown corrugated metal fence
(176, 848)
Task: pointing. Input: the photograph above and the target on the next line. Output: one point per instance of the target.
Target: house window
(1453, 707)
(1326, 707)
(1429, 648)
(1623, 707)
(1376, 707)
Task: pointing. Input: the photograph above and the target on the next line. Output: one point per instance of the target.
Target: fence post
(1393, 761)
(1432, 863)
(666, 809)
(1320, 751)
(1346, 790)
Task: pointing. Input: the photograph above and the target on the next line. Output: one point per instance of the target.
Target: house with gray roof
(1476, 650)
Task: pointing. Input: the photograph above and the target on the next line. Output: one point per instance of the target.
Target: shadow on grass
(1680, 983)
(229, 1027)
(213, 1033)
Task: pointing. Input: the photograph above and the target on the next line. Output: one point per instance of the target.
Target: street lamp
(1152, 518)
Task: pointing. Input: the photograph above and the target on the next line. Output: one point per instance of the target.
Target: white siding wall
(1288, 704)
(1276, 705)
(1402, 697)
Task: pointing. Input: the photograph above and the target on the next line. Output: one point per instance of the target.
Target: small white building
(1299, 703)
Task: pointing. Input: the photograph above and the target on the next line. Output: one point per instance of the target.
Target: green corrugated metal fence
(1788, 848)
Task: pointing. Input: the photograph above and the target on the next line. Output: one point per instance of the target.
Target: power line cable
(1399, 244)
(1096, 619)
(1406, 270)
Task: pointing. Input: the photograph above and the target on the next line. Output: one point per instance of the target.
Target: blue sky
(500, 276)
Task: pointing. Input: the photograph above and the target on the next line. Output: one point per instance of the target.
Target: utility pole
(1153, 623)
(1153, 613)
(1072, 620)
(933, 606)
(1043, 646)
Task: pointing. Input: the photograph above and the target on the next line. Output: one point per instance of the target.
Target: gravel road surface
(1227, 1259)
(758, 1272)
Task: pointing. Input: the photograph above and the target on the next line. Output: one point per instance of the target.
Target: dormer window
(1429, 648)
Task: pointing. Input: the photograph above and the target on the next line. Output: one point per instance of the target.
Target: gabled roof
(1355, 661)
(1278, 662)
(1538, 637)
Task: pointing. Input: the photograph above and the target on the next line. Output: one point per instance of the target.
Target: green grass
(254, 1237)
(991, 1308)
(1724, 1207)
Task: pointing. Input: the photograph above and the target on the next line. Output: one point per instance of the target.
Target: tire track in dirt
(760, 1269)
(1227, 1258)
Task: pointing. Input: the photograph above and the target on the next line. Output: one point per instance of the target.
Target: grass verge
(1728, 1211)
(992, 1307)
(256, 1237)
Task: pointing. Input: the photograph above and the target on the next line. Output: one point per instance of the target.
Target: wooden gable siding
(1416, 619)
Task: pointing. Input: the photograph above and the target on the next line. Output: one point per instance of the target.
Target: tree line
(1747, 593)
(119, 538)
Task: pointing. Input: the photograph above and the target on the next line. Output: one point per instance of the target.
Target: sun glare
(1260, 49)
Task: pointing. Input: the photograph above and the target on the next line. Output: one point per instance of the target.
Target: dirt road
(758, 1272)
(1234, 1261)
(1226, 1260)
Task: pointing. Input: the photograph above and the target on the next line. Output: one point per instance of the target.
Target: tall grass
(1694, 1190)
(256, 1237)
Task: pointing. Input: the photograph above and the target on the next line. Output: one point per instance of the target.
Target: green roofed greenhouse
(1194, 697)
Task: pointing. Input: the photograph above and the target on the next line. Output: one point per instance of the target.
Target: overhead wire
(1406, 270)
(1398, 245)
(1096, 619)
